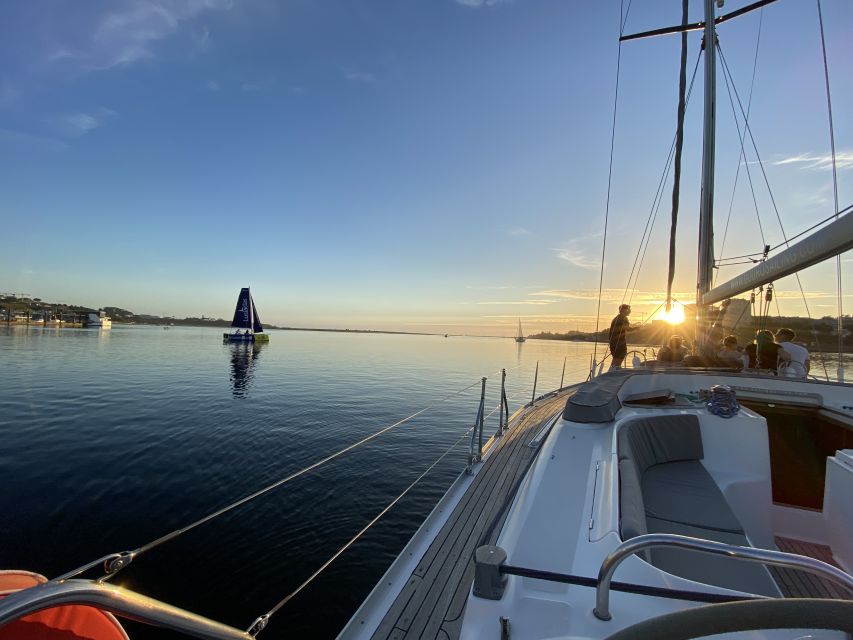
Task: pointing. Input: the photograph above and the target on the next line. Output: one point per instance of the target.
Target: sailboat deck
(801, 584)
(432, 602)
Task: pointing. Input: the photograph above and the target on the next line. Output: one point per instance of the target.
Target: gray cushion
(665, 489)
(660, 439)
(710, 569)
(685, 492)
(632, 512)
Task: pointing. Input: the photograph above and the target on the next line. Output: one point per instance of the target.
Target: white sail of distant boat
(519, 337)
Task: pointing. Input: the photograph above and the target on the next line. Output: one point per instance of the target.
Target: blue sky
(435, 165)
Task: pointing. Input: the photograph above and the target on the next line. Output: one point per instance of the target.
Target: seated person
(732, 353)
(675, 351)
(794, 357)
(713, 343)
(765, 353)
(749, 352)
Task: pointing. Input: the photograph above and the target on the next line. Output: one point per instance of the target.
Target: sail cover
(242, 314)
(257, 327)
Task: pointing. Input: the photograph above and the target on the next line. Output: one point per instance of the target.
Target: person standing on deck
(617, 337)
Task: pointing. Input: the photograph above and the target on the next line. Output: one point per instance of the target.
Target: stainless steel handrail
(749, 554)
(117, 600)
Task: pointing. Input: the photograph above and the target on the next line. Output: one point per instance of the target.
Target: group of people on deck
(776, 353)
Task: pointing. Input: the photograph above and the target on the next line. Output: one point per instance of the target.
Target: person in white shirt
(796, 362)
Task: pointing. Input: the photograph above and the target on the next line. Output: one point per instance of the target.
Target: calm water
(113, 438)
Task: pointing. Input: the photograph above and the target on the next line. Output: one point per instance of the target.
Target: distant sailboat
(520, 337)
(246, 325)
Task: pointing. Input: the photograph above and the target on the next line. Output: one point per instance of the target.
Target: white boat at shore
(98, 319)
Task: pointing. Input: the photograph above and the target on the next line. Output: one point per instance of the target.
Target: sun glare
(674, 316)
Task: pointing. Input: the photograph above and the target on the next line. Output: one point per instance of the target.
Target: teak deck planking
(432, 602)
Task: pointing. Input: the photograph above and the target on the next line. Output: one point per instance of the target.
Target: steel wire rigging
(640, 256)
(623, 19)
(742, 155)
(730, 79)
(840, 321)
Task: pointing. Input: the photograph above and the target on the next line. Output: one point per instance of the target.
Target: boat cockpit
(691, 488)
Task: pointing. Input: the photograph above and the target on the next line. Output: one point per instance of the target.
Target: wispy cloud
(519, 302)
(579, 252)
(212, 85)
(616, 295)
(642, 297)
(129, 32)
(518, 231)
(77, 124)
(257, 85)
(843, 160)
(550, 317)
(498, 287)
(360, 77)
(201, 40)
(21, 141)
(481, 3)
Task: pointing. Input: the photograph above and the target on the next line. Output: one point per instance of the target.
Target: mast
(706, 206)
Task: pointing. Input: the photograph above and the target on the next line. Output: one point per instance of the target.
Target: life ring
(67, 622)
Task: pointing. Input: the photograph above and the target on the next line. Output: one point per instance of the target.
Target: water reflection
(244, 357)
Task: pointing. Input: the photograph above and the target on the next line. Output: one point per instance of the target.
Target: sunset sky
(423, 165)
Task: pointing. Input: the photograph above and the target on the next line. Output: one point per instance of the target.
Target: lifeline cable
(116, 562)
(262, 620)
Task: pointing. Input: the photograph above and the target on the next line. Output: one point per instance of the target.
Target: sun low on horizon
(675, 316)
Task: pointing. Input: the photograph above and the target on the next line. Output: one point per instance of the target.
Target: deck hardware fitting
(504, 627)
(489, 582)
(258, 625)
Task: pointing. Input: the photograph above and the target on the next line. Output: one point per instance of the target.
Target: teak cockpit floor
(432, 602)
(801, 584)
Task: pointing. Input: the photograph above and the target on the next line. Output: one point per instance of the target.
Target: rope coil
(722, 401)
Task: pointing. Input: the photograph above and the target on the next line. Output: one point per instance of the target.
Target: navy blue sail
(246, 325)
(257, 327)
(243, 314)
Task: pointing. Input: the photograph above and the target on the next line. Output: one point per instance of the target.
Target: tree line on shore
(820, 334)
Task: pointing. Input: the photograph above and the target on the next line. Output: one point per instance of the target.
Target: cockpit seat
(664, 488)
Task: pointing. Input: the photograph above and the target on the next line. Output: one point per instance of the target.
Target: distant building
(739, 313)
